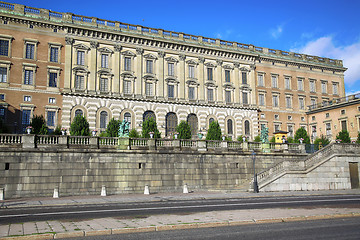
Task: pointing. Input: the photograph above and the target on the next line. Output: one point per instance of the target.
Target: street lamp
(256, 187)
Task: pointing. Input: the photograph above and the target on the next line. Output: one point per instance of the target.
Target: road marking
(177, 207)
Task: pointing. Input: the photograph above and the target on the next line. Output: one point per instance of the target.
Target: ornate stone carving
(161, 54)
(236, 64)
(94, 44)
(69, 40)
(182, 57)
(201, 59)
(117, 47)
(219, 62)
(139, 51)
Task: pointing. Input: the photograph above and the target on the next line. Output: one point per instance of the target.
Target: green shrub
(38, 125)
(302, 133)
(148, 126)
(344, 136)
(214, 131)
(184, 130)
(240, 138)
(257, 139)
(323, 140)
(134, 134)
(272, 140)
(57, 131)
(112, 129)
(358, 138)
(79, 126)
(290, 140)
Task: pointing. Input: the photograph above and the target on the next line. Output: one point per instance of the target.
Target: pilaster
(139, 71)
(237, 95)
(92, 62)
(161, 82)
(68, 63)
(117, 67)
(201, 78)
(182, 77)
(219, 82)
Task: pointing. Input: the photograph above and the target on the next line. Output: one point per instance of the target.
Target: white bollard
(185, 189)
(146, 191)
(1, 194)
(103, 191)
(56, 192)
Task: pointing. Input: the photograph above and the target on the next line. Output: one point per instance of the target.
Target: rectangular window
(228, 96)
(127, 64)
(300, 84)
(25, 117)
(104, 85)
(210, 74)
(127, 87)
(191, 71)
(30, 51)
(276, 116)
(335, 89)
(54, 54)
(171, 91)
(227, 75)
(344, 125)
(27, 98)
(261, 80)
(244, 77)
(2, 112)
(261, 99)
(52, 100)
(312, 86)
(301, 103)
(274, 81)
(80, 58)
(79, 82)
(4, 47)
(291, 130)
(328, 129)
(3, 74)
(290, 118)
(2, 97)
(50, 118)
(104, 60)
(149, 66)
(323, 87)
(28, 77)
(148, 89)
(287, 83)
(313, 102)
(210, 94)
(275, 101)
(53, 79)
(245, 98)
(171, 69)
(191, 93)
(276, 127)
(288, 102)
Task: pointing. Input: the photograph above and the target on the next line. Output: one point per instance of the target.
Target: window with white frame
(276, 127)
(104, 60)
(29, 77)
(104, 84)
(290, 130)
(288, 102)
(227, 76)
(54, 54)
(3, 74)
(127, 63)
(30, 50)
(244, 77)
(301, 103)
(210, 73)
(4, 47)
(210, 94)
(127, 87)
(227, 96)
(274, 81)
(171, 69)
(287, 83)
(245, 98)
(171, 91)
(323, 87)
(312, 86)
(103, 119)
(261, 99)
(191, 71)
(191, 93)
(313, 102)
(80, 60)
(336, 88)
(25, 118)
(2, 97)
(79, 82)
(328, 129)
(50, 121)
(290, 118)
(149, 89)
(127, 117)
(149, 66)
(261, 80)
(53, 78)
(343, 125)
(52, 100)
(275, 100)
(276, 116)
(300, 84)
(27, 98)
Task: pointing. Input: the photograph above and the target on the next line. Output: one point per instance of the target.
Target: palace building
(70, 64)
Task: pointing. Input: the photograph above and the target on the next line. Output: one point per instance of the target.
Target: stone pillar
(182, 77)
(63, 141)
(245, 146)
(117, 66)
(68, 64)
(202, 88)
(139, 72)
(94, 142)
(176, 144)
(202, 146)
(28, 141)
(237, 95)
(285, 148)
(92, 63)
(124, 143)
(302, 148)
(2, 194)
(224, 145)
(152, 143)
(161, 83)
(220, 90)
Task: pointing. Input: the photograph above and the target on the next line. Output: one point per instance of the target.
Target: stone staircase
(300, 169)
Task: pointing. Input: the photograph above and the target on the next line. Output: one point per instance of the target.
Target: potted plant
(338, 140)
(94, 132)
(301, 140)
(223, 137)
(28, 129)
(151, 134)
(176, 135)
(244, 138)
(63, 131)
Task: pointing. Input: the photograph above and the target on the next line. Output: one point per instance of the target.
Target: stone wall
(36, 172)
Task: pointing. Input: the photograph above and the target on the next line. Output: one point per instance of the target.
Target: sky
(325, 28)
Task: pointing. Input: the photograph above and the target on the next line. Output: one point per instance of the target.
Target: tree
(57, 131)
(302, 133)
(184, 130)
(112, 129)
(80, 126)
(38, 125)
(257, 139)
(134, 134)
(272, 140)
(344, 136)
(358, 138)
(148, 126)
(323, 140)
(214, 132)
(290, 140)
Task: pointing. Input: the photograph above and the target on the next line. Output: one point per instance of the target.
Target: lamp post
(256, 187)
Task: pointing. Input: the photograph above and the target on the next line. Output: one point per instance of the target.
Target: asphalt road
(78, 212)
(347, 228)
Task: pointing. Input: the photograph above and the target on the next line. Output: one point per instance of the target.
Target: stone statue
(124, 129)
(264, 135)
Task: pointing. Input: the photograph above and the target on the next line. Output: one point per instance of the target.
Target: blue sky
(324, 28)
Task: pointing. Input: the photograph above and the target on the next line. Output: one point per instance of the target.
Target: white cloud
(276, 32)
(350, 55)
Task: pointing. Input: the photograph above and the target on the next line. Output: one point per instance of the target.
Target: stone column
(237, 95)
(63, 141)
(252, 81)
(139, 72)
(68, 84)
(202, 145)
(161, 82)
(92, 63)
(117, 67)
(152, 144)
(28, 141)
(220, 90)
(202, 88)
(245, 146)
(182, 77)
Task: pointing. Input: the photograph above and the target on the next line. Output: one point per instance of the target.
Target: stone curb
(175, 227)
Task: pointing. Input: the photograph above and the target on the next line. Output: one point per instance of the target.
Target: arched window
(79, 112)
(211, 120)
(247, 127)
(148, 114)
(171, 123)
(127, 117)
(103, 119)
(193, 122)
(229, 127)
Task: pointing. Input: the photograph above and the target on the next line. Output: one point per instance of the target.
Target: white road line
(175, 207)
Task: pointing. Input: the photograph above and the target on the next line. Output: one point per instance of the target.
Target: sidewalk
(104, 226)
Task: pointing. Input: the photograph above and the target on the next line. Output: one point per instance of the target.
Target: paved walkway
(103, 226)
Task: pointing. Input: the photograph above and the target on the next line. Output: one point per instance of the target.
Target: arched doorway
(171, 123)
(149, 114)
(193, 122)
